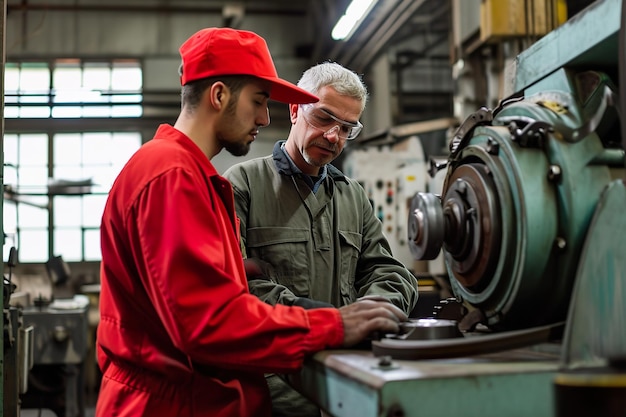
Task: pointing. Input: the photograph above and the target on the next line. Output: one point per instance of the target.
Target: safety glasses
(322, 120)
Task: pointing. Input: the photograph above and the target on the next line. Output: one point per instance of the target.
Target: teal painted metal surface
(519, 192)
(589, 38)
(596, 330)
(353, 384)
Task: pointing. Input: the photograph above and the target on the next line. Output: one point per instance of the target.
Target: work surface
(356, 383)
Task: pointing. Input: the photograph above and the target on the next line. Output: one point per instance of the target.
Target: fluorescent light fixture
(347, 24)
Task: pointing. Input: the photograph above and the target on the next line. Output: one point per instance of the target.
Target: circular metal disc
(426, 226)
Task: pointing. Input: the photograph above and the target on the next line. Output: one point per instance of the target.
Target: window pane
(96, 111)
(35, 78)
(11, 78)
(10, 147)
(11, 112)
(68, 173)
(125, 144)
(126, 111)
(67, 112)
(68, 96)
(67, 149)
(126, 78)
(66, 78)
(29, 216)
(36, 112)
(93, 207)
(77, 95)
(92, 245)
(33, 246)
(35, 97)
(33, 180)
(33, 149)
(68, 244)
(102, 177)
(67, 211)
(9, 217)
(97, 77)
(97, 148)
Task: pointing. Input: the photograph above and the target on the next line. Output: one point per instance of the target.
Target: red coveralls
(179, 333)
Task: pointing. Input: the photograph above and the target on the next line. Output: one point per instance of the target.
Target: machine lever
(435, 167)
(477, 344)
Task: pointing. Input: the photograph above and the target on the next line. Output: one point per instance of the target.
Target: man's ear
(219, 94)
(293, 112)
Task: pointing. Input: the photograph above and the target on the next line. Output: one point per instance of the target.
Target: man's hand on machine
(367, 317)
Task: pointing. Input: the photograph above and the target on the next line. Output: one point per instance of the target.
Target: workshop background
(86, 82)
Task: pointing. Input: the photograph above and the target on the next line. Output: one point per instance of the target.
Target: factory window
(56, 183)
(83, 168)
(73, 88)
(25, 209)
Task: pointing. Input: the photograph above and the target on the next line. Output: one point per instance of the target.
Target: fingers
(380, 325)
(367, 317)
(376, 308)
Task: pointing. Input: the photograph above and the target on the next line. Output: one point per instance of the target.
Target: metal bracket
(483, 116)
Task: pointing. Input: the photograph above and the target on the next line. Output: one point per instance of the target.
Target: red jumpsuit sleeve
(193, 271)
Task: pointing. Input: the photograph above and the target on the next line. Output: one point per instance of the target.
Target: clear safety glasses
(326, 122)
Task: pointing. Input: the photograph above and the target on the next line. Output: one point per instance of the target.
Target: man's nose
(264, 120)
(332, 134)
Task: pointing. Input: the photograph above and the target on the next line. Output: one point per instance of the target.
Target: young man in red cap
(179, 333)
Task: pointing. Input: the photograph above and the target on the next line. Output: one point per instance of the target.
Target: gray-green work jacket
(317, 248)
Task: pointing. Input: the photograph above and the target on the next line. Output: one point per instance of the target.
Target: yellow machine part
(520, 18)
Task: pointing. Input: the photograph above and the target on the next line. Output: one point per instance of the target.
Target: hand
(367, 316)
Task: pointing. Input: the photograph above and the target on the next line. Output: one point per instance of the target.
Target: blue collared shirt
(313, 182)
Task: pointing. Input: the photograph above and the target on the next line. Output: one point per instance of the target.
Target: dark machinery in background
(532, 224)
(45, 343)
(17, 349)
(51, 342)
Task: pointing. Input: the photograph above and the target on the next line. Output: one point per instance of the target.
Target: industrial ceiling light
(352, 18)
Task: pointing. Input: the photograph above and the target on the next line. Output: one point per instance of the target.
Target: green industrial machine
(523, 183)
(532, 224)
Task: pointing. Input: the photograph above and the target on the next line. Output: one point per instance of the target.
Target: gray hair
(346, 82)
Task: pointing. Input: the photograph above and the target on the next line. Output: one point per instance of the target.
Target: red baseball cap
(225, 51)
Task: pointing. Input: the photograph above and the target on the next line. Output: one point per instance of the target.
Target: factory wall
(152, 36)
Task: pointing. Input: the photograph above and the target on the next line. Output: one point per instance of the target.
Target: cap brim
(286, 92)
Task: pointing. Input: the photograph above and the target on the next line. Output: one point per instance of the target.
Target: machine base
(356, 383)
